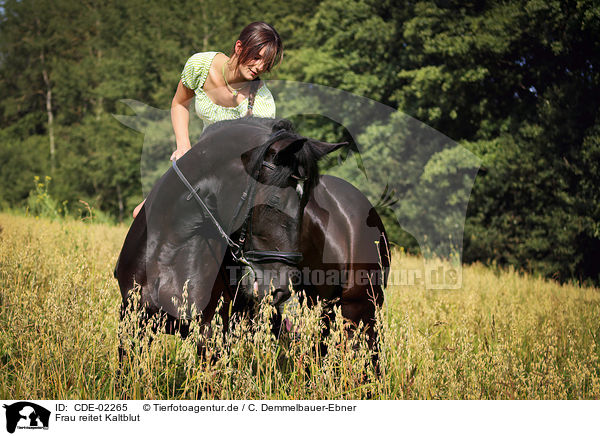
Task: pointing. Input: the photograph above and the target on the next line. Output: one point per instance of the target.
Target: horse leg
(142, 320)
(363, 311)
(124, 344)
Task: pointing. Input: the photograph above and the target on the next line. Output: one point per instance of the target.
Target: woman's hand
(177, 154)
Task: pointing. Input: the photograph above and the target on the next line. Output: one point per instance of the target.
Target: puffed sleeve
(264, 104)
(196, 69)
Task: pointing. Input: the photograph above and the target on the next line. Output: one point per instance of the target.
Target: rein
(204, 206)
(248, 257)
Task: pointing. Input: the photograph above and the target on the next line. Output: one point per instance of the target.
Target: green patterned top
(193, 77)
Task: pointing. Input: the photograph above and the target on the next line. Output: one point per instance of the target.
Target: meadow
(503, 335)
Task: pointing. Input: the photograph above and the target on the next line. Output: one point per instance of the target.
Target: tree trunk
(120, 200)
(49, 112)
(100, 100)
(205, 27)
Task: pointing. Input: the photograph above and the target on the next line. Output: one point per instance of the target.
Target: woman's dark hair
(254, 37)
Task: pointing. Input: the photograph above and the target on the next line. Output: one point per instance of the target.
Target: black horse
(249, 203)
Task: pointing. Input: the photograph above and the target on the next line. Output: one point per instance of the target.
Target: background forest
(515, 82)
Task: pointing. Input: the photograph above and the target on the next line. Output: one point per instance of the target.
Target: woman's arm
(180, 117)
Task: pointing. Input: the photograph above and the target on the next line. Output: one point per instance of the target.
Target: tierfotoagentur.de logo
(26, 415)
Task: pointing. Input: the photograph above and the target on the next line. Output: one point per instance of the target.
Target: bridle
(239, 252)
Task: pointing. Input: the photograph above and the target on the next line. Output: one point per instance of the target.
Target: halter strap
(289, 257)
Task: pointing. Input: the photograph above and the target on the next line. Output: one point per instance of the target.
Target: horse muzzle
(269, 273)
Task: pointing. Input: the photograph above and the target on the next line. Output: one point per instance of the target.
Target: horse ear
(285, 150)
(282, 125)
(322, 148)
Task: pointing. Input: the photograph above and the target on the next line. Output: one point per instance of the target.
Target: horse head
(282, 172)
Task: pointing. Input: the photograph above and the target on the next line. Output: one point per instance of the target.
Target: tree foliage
(515, 82)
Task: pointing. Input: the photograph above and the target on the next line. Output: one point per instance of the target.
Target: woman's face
(255, 67)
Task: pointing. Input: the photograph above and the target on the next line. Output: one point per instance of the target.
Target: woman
(225, 87)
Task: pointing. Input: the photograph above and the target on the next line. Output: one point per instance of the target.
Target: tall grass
(502, 335)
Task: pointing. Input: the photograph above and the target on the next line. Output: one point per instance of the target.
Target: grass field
(501, 336)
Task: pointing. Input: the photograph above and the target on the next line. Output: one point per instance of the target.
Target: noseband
(240, 254)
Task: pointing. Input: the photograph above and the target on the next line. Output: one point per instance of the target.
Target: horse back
(342, 231)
